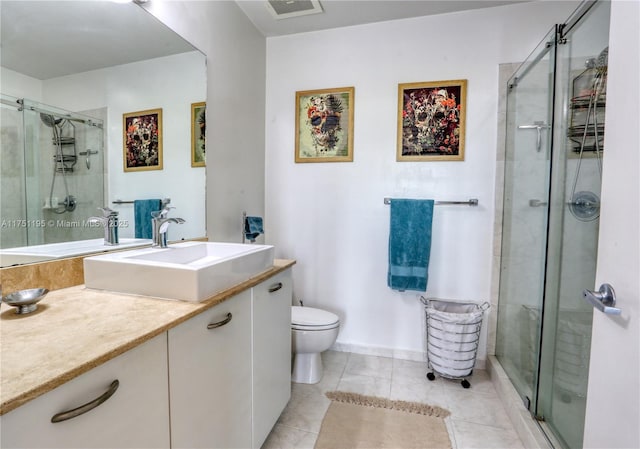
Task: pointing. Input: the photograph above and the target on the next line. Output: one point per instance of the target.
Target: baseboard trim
(380, 351)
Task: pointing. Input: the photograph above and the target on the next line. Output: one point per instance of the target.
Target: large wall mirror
(79, 80)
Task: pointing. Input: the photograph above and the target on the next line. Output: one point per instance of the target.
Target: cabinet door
(271, 353)
(135, 416)
(210, 377)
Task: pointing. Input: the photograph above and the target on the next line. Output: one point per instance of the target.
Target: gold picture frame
(198, 134)
(324, 125)
(142, 140)
(431, 121)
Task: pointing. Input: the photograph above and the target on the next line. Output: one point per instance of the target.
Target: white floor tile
(408, 370)
(368, 385)
(478, 418)
(479, 380)
(477, 436)
(419, 391)
(369, 365)
(334, 360)
(306, 408)
(478, 408)
(283, 437)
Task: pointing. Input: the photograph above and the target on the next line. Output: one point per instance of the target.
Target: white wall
(19, 85)
(331, 217)
(235, 107)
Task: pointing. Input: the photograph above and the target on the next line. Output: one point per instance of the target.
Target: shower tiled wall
(85, 183)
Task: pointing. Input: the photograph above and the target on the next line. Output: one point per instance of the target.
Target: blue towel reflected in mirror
(142, 217)
(253, 228)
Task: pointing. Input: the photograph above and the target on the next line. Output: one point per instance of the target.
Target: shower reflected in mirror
(63, 162)
(47, 195)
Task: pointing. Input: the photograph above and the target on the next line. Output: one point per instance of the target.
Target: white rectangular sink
(190, 271)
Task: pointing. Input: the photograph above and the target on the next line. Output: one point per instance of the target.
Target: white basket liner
(453, 333)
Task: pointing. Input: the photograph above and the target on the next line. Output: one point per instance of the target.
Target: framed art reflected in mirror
(143, 140)
(198, 134)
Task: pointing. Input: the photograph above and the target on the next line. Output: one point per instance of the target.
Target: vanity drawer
(135, 415)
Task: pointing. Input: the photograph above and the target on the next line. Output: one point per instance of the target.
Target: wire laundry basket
(453, 333)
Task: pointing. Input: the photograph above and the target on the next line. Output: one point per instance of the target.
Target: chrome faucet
(109, 221)
(160, 224)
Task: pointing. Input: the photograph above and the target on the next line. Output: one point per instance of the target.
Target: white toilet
(313, 331)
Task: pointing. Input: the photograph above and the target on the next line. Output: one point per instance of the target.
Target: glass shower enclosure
(554, 149)
(52, 173)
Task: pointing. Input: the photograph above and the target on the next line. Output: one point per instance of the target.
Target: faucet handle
(164, 212)
(106, 212)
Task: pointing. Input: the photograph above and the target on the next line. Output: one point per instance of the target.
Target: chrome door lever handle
(604, 299)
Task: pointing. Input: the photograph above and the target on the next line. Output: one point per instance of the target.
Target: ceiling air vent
(284, 9)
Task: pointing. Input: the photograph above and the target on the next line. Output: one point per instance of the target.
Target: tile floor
(477, 420)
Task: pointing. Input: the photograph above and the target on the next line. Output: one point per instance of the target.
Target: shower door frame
(559, 218)
(556, 209)
(547, 46)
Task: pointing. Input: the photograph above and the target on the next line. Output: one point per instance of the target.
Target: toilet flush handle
(275, 287)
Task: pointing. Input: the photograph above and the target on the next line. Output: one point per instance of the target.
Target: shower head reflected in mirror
(60, 164)
(49, 120)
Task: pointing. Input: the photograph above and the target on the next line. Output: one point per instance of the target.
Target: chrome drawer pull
(275, 287)
(220, 323)
(63, 416)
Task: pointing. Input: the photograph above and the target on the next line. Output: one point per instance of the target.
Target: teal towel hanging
(409, 244)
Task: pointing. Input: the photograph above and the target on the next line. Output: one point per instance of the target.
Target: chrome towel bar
(163, 202)
(470, 202)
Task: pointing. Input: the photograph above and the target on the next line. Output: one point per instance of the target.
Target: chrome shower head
(49, 120)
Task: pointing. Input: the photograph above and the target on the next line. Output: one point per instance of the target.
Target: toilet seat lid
(309, 316)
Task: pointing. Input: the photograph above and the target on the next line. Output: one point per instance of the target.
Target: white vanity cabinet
(210, 377)
(230, 369)
(135, 416)
(220, 379)
(271, 352)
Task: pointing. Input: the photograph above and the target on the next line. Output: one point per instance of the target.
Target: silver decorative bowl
(25, 300)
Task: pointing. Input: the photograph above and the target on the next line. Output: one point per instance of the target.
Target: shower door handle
(604, 299)
(538, 126)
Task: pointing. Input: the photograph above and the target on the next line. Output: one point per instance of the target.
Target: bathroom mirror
(76, 63)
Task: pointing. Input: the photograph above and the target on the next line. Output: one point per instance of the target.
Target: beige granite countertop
(76, 329)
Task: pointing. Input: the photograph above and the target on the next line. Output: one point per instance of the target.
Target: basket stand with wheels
(453, 333)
